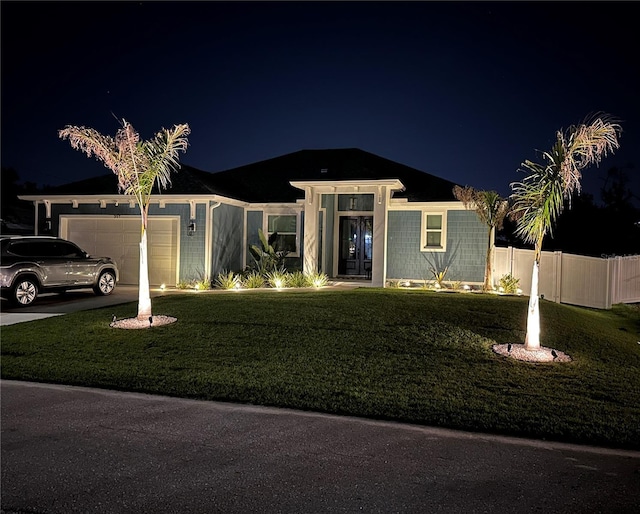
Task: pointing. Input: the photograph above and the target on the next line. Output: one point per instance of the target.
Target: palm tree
(491, 209)
(139, 165)
(540, 198)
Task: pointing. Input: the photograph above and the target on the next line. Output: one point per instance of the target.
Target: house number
(116, 215)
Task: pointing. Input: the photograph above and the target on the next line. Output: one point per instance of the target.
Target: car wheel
(24, 292)
(106, 283)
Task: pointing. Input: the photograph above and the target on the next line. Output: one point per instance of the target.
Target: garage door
(119, 238)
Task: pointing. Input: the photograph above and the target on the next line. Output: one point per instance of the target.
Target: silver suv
(30, 265)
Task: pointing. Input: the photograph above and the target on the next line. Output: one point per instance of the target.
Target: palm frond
(162, 152)
(490, 207)
(137, 164)
(132, 162)
(586, 144)
(540, 198)
(92, 143)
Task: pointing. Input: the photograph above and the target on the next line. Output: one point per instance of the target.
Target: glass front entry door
(356, 245)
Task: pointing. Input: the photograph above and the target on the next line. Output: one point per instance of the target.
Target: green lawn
(415, 356)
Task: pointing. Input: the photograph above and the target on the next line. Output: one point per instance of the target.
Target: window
(286, 225)
(434, 235)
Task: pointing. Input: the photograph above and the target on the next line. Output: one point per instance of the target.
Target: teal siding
(465, 255)
(192, 265)
(227, 239)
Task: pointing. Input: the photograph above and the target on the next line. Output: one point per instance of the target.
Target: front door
(356, 245)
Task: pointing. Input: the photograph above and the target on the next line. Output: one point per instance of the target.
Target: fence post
(510, 259)
(614, 281)
(610, 290)
(557, 285)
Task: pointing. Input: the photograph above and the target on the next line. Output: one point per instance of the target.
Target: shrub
(439, 276)
(297, 279)
(277, 278)
(317, 279)
(228, 280)
(508, 284)
(253, 280)
(202, 285)
(267, 257)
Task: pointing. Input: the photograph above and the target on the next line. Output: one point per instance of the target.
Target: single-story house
(343, 212)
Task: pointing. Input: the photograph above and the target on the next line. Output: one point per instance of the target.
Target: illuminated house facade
(345, 212)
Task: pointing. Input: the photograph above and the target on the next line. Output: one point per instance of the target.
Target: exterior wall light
(191, 227)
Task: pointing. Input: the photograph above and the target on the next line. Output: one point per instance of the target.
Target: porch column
(311, 210)
(379, 260)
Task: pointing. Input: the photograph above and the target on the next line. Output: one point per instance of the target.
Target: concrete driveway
(51, 304)
(71, 449)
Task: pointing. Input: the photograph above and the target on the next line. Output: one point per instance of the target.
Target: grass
(413, 356)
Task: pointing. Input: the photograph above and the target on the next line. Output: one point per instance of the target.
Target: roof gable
(269, 180)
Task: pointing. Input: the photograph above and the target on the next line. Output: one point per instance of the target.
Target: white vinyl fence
(573, 279)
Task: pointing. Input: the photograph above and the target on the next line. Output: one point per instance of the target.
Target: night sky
(463, 90)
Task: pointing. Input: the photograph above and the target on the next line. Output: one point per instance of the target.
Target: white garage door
(119, 238)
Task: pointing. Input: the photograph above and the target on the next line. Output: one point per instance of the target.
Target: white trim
(349, 186)
(244, 238)
(290, 211)
(423, 230)
(323, 235)
(118, 198)
(400, 204)
(208, 239)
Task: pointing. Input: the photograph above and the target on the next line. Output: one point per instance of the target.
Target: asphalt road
(67, 449)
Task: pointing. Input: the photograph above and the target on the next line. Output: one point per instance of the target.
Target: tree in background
(540, 198)
(139, 165)
(17, 216)
(491, 209)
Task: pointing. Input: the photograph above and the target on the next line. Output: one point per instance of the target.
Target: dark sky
(462, 90)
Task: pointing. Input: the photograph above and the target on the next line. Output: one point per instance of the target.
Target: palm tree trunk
(532, 340)
(144, 298)
(488, 270)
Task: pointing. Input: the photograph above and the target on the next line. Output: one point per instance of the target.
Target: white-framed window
(287, 226)
(433, 232)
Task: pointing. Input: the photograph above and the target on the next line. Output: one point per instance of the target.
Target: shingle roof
(268, 180)
(187, 181)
